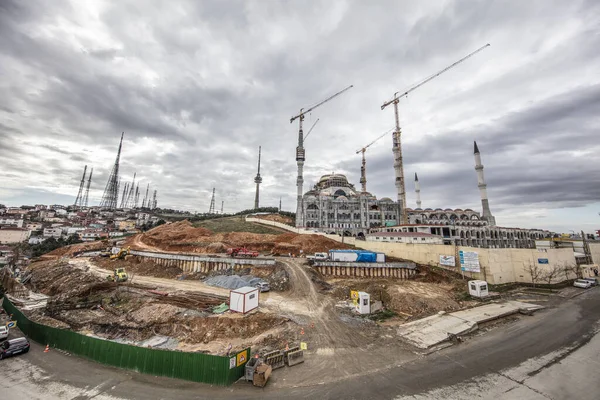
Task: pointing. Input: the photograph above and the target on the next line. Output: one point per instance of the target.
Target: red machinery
(242, 252)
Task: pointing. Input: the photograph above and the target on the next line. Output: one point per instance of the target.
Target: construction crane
(311, 128)
(300, 154)
(397, 147)
(363, 168)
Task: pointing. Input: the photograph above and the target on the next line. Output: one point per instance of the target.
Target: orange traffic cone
(312, 325)
(47, 349)
(287, 347)
(256, 356)
(302, 331)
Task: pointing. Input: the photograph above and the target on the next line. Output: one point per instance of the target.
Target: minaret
(485, 205)
(258, 181)
(79, 198)
(87, 189)
(279, 204)
(418, 190)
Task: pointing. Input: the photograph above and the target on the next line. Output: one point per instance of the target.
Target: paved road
(551, 355)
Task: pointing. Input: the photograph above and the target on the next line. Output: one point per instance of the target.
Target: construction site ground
(161, 303)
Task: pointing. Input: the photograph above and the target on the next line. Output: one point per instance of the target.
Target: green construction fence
(197, 367)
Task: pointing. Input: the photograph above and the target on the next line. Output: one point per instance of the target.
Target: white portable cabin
(363, 306)
(243, 300)
(380, 257)
(478, 288)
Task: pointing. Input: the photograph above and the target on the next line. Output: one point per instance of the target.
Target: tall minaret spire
(485, 205)
(418, 190)
(258, 181)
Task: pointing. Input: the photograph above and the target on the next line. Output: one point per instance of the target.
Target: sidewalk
(428, 332)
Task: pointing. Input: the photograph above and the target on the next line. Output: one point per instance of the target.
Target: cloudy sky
(197, 86)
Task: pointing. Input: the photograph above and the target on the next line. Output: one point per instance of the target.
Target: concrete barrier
(274, 359)
(366, 270)
(293, 356)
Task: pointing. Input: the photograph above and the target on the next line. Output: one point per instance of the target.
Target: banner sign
(448, 260)
(469, 261)
(542, 261)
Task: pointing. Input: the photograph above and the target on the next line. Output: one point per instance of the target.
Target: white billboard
(448, 260)
(469, 261)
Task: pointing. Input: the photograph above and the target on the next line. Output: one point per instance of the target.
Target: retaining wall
(196, 367)
(195, 263)
(369, 270)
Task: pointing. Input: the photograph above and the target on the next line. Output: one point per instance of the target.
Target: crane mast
(300, 153)
(397, 142)
(363, 168)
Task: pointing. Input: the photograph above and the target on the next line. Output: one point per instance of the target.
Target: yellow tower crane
(397, 147)
(363, 168)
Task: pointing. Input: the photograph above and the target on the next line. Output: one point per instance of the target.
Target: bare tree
(534, 270)
(566, 270)
(552, 273)
(575, 269)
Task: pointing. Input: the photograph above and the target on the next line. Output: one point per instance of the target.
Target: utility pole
(87, 189)
(79, 198)
(211, 209)
(222, 202)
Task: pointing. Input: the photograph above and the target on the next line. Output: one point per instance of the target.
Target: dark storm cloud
(198, 86)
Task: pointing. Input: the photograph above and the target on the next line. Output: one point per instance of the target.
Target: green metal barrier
(197, 367)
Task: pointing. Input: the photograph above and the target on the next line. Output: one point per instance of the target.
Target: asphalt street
(553, 354)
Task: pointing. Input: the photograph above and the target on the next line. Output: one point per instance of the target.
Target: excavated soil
(183, 237)
(71, 250)
(85, 302)
(410, 299)
(276, 218)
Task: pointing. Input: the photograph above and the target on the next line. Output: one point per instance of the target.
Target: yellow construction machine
(121, 254)
(119, 275)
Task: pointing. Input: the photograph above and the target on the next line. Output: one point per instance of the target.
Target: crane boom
(374, 141)
(320, 104)
(397, 146)
(311, 128)
(424, 81)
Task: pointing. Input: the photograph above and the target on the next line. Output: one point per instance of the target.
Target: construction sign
(242, 357)
(303, 346)
(354, 296)
(11, 324)
(232, 363)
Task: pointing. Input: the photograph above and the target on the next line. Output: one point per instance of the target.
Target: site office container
(244, 299)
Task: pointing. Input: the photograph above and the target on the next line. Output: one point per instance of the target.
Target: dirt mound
(176, 232)
(409, 298)
(71, 250)
(58, 277)
(183, 237)
(275, 217)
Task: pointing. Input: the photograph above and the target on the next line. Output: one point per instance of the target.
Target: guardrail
(197, 367)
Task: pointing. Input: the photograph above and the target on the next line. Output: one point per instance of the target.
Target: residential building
(125, 225)
(13, 235)
(34, 226)
(53, 232)
(12, 220)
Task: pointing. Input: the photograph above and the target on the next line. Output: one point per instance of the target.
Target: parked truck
(242, 252)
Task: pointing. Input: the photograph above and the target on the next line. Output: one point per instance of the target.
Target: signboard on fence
(448, 260)
(242, 357)
(469, 261)
(542, 261)
(11, 324)
(232, 363)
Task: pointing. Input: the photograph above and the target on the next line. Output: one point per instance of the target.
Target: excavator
(121, 254)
